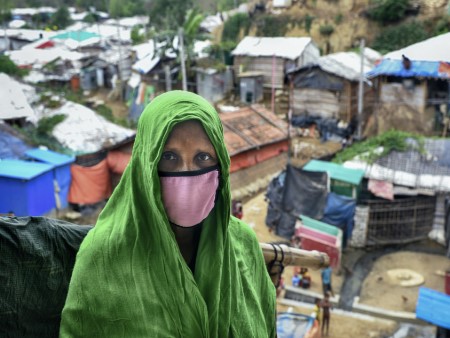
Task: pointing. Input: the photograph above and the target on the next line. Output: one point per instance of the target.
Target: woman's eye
(168, 156)
(204, 157)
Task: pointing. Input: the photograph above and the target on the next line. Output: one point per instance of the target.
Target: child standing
(326, 309)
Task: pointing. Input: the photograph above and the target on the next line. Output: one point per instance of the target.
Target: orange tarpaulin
(118, 161)
(90, 184)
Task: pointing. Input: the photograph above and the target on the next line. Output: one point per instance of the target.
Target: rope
(276, 264)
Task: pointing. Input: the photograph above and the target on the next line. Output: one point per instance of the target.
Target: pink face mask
(189, 196)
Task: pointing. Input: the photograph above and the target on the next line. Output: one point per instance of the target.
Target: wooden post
(361, 89)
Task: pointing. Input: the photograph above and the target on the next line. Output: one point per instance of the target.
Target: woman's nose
(188, 165)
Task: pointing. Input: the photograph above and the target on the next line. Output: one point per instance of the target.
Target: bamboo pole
(284, 255)
(292, 256)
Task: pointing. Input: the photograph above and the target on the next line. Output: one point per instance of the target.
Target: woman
(165, 258)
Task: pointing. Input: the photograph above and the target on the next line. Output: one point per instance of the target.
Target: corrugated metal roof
(412, 169)
(434, 307)
(336, 171)
(27, 34)
(345, 64)
(435, 161)
(23, 169)
(25, 57)
(284, 47)
(75, 35)
(145, 65)
(251, 127)
(418, 69)
(434, 49)
(48, 156)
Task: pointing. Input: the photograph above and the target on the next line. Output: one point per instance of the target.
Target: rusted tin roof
(251, 127)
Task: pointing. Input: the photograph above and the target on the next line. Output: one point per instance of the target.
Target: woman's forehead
(190, 130)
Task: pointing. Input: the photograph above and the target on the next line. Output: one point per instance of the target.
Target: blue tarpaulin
(340, 211)
(389, 67)
(433, 307)
(11, 147)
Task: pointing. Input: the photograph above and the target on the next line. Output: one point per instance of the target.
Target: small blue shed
(26, 188)
(61, 171)
(433, 307)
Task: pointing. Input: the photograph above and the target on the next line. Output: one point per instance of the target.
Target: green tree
(61, 18)
(5, 13)
(116, 8)
(169, 14)
(191, 26)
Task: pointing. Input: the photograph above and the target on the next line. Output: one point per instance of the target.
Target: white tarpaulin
(36, 57)
(284, 47)
(84, 131)
(13, 101)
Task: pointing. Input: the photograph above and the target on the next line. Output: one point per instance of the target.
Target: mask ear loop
(276, 264)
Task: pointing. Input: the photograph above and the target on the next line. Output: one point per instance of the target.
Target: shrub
(326, 30)
(308, 22)
(442, 26)
(234, 25)
(136, 37)
(46, 124)
(272, 26)
(394, 38)
(387, 11)
(9, 67)
(390, 140)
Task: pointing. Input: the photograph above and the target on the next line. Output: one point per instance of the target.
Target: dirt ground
(377, 289)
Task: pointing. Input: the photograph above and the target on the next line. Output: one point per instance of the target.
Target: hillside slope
(338, 25)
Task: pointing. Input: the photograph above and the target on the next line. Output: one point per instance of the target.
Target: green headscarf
(130, 279)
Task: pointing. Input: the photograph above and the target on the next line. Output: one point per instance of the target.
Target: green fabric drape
(130, 279)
